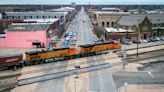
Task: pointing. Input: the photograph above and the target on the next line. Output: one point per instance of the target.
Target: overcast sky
(110, 2)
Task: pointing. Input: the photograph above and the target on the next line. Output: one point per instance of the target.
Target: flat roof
(31, 24)
(49, 20)
(118, 30)
(109, 12)
(36, 13)
(44, 51)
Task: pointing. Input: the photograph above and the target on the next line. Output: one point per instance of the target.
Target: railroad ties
(30, 78)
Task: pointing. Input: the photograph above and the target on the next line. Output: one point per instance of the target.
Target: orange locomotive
(90, 49)
(35, 57)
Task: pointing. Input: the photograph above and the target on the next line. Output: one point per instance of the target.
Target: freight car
(92, 49)
(11, 62)
(37, 57)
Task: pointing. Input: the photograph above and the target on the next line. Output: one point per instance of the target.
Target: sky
(107, 2)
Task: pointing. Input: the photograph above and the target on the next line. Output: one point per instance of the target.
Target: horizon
(82, 2)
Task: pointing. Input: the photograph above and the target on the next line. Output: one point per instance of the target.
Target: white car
(143, 41)
(157, 38)
(161, 38)
(67, 38)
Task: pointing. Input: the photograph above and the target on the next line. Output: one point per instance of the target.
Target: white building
(62, 9)
(36, 15)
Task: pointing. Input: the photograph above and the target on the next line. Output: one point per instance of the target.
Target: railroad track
(6, 84)
(143, 47)
(86, 69)
(62, 74)
(7, 87)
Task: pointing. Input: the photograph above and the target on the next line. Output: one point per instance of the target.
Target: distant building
(7, 22)
(62, 9)
(71, 12)
(36, 15)
(30, 31)
(73, 4)
(119, 33)
(111, 9)
(147, 25)
(108, 19)
(24, 39)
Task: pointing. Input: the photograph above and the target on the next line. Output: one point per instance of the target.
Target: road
(85, 34)
(101, 80)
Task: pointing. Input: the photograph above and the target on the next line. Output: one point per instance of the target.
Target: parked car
(153, 39)
(161, 38)
(157, 38)
(137, 42)
(143, 41)
(127, 42)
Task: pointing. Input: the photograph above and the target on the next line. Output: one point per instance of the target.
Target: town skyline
(94, 2)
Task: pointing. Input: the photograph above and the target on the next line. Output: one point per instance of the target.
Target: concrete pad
(142, 88)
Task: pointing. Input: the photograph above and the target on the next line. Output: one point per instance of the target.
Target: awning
(36, 43)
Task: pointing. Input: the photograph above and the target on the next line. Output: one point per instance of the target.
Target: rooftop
(36, 13)
(135, 19)
(28, 26)
(110, 12)
(67, 9)
(49, 20)
(117, 30)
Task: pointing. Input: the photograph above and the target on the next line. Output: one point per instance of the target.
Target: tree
(2, 27)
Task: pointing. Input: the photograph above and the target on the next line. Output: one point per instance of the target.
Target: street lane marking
(151, 74)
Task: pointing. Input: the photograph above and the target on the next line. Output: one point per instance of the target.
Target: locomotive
(56, 54)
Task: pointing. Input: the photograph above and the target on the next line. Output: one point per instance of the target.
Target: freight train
(39, 57)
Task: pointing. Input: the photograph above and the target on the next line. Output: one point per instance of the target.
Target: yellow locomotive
(36, 57)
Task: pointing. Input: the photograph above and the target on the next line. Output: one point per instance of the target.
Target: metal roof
(44, 51)
(136, 19)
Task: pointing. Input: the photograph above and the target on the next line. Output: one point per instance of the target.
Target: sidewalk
(8, 73)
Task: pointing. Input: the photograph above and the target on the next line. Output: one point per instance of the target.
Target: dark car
(137, 42)
(152, 40)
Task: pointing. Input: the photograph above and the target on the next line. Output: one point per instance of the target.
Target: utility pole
(138, 29)
(75, 85)
(137, 40)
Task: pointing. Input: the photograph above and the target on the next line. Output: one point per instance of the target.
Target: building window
(103, 24)
(37, 17)
(112, 24)
(107, 24)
